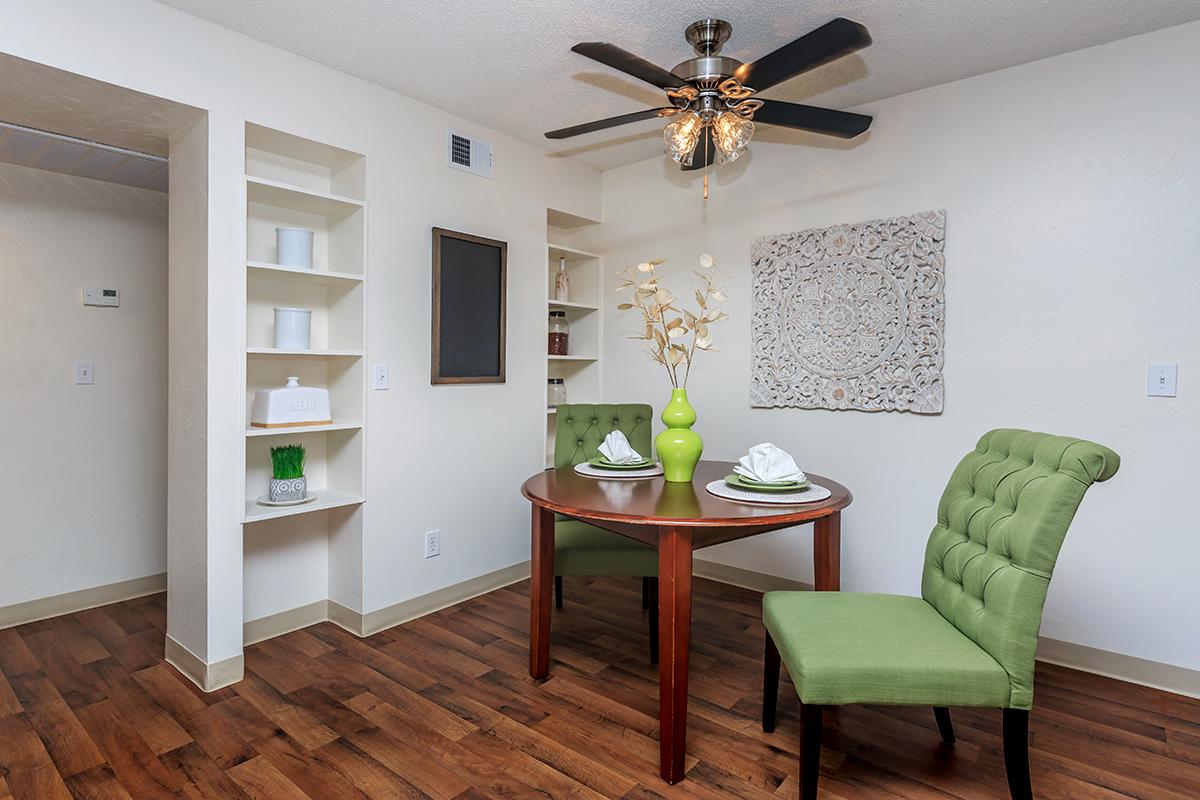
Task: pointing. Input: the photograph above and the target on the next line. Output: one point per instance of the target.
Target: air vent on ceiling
(468, 153)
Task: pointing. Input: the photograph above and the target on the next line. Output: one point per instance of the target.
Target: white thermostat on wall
(101, 297)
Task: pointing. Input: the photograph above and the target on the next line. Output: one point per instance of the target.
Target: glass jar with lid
(560, 331)
(556, 393)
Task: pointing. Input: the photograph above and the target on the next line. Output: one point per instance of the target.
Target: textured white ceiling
(509, 65)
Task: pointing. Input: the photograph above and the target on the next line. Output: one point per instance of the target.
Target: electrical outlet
(85, 373)
(433, 543)
(379, 377)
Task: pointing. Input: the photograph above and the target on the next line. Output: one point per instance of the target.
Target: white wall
(1072, 190)
(417, 435)
(82, 482)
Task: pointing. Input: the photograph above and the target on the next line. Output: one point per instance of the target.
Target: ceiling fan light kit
(712, 97)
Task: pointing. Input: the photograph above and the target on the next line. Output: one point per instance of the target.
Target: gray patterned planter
(288, 491)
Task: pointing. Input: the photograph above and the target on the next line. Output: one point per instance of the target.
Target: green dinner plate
(738, 482)
(598, 461)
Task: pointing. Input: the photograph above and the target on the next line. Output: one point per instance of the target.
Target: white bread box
(291, 406)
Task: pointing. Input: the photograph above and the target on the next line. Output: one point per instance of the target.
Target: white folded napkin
(616, 449)
(766, 463)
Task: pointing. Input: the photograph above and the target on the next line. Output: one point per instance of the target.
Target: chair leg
(770, 685)
(810, 750)
(945, 728)
(646, 593)
(1016, 753)
(651, 585)
(558, 591)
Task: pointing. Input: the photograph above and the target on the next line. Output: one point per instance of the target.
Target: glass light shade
(731, 133)
(682, 135)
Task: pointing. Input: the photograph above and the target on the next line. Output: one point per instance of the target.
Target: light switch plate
(1161, 380)
(85, 373)
(379, 377)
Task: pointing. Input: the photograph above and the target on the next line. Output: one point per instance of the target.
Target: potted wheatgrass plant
(673, 335)
(288, 484)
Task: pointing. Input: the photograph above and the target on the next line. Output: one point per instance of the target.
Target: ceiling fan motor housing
(708, 68)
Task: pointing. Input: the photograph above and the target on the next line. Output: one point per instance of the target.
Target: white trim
(376, 621)
(1142, 671)
(70, 602)
(272, 625)
(209, 677)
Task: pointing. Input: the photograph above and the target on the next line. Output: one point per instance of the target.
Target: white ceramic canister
(294, 247)
(293, 327)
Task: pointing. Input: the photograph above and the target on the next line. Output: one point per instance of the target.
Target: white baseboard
(1144, 672)
(209, 677)
(1132, 669)
(406, 610)
(272, 625)
(746, 578)
(374, 621)
(70, 602)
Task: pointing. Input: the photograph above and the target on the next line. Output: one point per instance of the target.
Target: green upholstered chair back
(581, 429)
(1000, 525)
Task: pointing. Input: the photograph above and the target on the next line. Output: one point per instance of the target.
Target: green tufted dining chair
(583, 549)
(970, 638)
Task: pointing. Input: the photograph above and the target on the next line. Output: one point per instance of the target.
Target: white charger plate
(813, 494)
(589, 471)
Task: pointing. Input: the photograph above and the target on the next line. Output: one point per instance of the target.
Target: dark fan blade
(827, 43)
(628, 63)
(611, 122)
(842, 124)
(706, 149)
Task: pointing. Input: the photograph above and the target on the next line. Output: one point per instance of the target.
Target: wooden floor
(443, 707)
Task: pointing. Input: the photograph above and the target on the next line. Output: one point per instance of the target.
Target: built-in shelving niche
(295, 182)
(581, 368)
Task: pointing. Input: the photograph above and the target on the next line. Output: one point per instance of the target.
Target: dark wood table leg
(540, 591)
(674, 638)
(827, 553)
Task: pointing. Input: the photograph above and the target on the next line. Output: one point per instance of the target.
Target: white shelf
(326, 499)
(299, 198)
(568, 304)
(572, 358)
(558, 251)
(274, 351)
(298, 429)
(306, 275)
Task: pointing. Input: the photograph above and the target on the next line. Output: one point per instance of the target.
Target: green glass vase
(679, 447)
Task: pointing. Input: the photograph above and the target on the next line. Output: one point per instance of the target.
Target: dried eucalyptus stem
(667, 324)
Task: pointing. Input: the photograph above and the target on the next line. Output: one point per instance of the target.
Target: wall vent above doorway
(468, 153)
(29, 147)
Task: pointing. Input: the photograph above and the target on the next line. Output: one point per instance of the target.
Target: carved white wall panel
(851, 317)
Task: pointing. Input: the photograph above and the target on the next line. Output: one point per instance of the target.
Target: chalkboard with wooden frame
(469, 290)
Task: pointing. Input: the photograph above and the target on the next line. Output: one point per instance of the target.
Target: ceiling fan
(713, 98)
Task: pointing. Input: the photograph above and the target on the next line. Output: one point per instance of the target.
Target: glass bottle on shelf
(560, 331)
(562, 282)
(556, 392)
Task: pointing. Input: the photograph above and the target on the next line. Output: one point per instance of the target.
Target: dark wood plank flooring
(443, 707)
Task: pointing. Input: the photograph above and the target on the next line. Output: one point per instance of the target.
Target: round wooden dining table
(676, 519)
